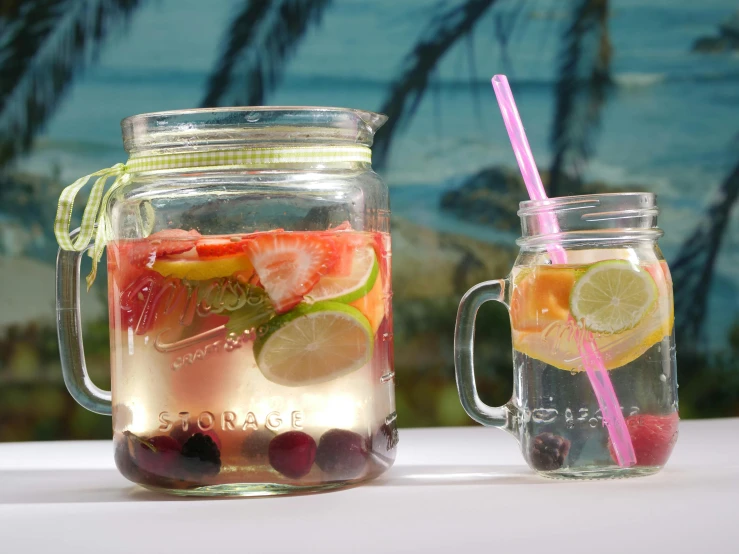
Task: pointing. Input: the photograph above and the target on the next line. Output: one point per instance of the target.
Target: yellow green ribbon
(95, 220)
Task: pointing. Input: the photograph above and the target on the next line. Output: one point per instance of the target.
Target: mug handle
(464, 338)
(69, 331)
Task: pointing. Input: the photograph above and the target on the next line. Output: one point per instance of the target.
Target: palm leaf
(10, 12)
(503, 26)
(443, 31)
(44, 44)
(582, 86)
(259, 42)
(242, 32)
(692, 272)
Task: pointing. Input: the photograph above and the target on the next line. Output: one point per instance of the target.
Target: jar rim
(590, 218)
(368, 115)
(238, 126)
(624, 201)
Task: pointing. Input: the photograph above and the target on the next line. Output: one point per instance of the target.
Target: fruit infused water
(252, 362)
(590, 301)
(620, 300)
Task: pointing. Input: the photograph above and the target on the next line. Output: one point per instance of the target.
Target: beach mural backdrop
(616, 94)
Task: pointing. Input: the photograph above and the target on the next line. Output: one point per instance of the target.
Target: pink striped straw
(591, 357)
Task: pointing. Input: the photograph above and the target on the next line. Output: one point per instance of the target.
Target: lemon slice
(352, 286)
(200, 269)
(612, 296)
(313, 344)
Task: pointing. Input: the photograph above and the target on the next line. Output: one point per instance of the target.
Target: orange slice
(542, 297)
(372, 304)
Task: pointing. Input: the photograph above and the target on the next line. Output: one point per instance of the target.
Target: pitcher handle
(464, 338)
(69, 331)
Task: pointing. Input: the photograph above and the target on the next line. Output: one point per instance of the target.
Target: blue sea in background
(670, 125)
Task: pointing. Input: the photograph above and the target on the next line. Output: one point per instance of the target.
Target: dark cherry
(124, 451)
(342, 454)
(292, 454)
(156, 455)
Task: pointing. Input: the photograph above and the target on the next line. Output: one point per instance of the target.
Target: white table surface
(451, 490)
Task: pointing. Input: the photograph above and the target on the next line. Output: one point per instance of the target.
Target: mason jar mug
(248, 263)
(595, 388)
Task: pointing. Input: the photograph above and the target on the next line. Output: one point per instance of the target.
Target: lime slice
(612, 296)
(313, 344)
(352, 286)
(200, 269)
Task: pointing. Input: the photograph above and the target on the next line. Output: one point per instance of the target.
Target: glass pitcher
(248, 262)
(613, 298)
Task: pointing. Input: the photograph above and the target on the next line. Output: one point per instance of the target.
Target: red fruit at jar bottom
(342, 454)
(157, 455)
(653, 437)
(292, 454)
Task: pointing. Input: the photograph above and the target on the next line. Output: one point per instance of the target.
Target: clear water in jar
(624, 306)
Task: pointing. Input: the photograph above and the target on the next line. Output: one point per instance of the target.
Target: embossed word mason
(189, 298)
(229, 421)
(572, 417)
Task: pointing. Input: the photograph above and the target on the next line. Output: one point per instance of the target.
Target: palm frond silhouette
(443, 31)
(693, 270)
(258, 44)
(44, 44)
(582, 86)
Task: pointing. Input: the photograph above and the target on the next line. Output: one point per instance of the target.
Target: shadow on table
(71, 486)
(107, 485)
(423, 475)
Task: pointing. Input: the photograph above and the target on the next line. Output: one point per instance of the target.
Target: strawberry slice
(347, 243)
(161, 244)
(653, 437)
(289, 264)
(214, 248)
(173, 241)
(345, 256)
(226, 246)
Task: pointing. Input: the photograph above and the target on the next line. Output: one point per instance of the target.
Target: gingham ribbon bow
(96, 210)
